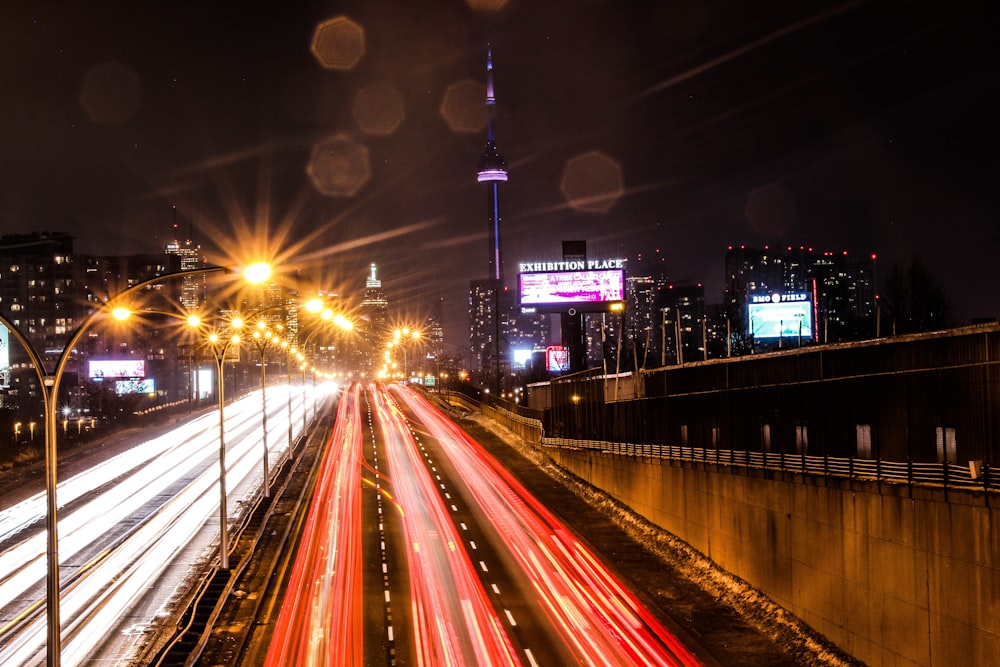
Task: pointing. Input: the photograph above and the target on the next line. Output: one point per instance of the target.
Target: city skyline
(666, 132)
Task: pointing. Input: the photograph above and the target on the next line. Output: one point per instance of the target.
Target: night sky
(658, 131)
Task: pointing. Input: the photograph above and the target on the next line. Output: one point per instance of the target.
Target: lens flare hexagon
(110, 94)
(339, 166)
(378, 109)
(338, 43)
(462, 106)
(592, 182)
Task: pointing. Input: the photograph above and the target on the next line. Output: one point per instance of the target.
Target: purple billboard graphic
(559, 289)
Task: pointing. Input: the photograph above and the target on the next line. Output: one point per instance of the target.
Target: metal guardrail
(969, 477)
(946, 475)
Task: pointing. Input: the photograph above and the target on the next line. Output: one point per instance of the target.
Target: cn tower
(492, 170)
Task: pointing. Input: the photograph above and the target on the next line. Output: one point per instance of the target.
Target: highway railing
(974, 476)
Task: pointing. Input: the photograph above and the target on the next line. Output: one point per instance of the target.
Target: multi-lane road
(131, 529)
(418, 548)
(445, 559)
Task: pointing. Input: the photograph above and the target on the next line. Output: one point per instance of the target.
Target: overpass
(852, 484)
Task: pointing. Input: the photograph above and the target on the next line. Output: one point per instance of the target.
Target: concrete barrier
(894, 575)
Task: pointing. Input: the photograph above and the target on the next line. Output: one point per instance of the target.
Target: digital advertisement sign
(520, 357)
(592, 290)
(780, 316)
(146, 386)
(117, 368)
(556, 359)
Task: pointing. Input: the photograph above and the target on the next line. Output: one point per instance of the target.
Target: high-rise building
(484, 329)
(193, 288)
(374, 312)
(375, 307)
(41, 290)
(434, 328)
(684, 327)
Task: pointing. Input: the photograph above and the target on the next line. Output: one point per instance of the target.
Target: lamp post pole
(219, 349)
(303, 392)
(261, 339)
(288, 376)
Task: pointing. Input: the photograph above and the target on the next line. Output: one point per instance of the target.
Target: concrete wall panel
(894, 575)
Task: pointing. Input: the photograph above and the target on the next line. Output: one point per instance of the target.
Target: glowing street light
(257, 273)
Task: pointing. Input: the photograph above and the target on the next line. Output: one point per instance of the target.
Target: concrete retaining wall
(893, 577)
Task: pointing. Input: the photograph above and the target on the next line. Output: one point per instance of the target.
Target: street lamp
(289, 350)
(262, 337)
(400, 338)
(328, 316)
(220, 348)
(49, 383)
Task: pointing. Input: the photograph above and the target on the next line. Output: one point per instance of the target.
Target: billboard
(146, 386)
(556, 291)
(520, 358)
(780, 316)
(117, 368)
(556, 359)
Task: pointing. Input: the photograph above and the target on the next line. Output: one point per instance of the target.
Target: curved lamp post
(400, 337)
(220, 348)
(328, 316)
(50, 391)
(262, 337)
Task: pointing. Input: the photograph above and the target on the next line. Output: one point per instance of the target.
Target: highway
(124, 524)
(458, 563)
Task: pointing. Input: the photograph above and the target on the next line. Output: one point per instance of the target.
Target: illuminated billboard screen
(780, 319)
(146, 386)
(556, 359)
(583, 290)
(520, 358)
(117, 368)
